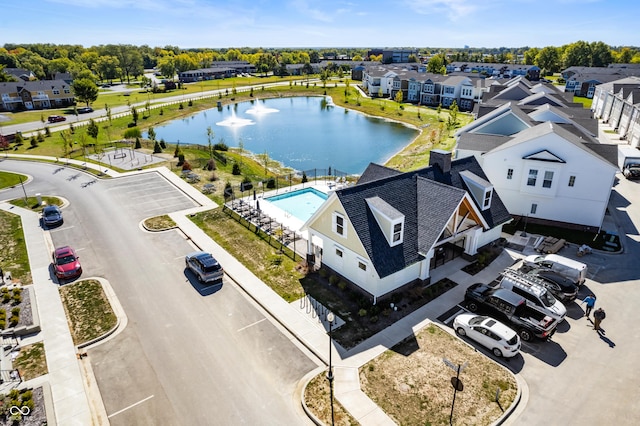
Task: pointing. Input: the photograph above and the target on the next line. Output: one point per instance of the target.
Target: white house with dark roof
(392, 228)
(546, 173)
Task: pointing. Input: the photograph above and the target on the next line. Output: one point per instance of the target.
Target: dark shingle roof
(426, 197)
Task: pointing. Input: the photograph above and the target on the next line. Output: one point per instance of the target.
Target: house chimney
(442, 158)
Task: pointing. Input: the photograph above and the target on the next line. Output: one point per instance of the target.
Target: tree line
(126, 62)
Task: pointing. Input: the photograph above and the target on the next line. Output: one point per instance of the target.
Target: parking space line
(131, 406)
(251, 325)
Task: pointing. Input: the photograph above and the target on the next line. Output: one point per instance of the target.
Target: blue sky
(321, 23)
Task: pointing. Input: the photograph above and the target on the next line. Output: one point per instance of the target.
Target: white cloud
(454, 9)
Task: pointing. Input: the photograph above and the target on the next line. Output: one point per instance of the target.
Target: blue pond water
(300, 132)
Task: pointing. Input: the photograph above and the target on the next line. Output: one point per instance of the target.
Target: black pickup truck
(526, 319)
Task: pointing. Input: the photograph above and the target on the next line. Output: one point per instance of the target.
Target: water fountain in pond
(234, 121)
(261, 109)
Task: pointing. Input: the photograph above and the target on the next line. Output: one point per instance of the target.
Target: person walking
(590, 300)
(598, 316)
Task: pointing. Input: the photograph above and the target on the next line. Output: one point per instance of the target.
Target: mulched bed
(486, 255)
(26, 315)
(363, 319)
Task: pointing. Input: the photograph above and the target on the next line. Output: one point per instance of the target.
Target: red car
(66, 263)
(56, 118)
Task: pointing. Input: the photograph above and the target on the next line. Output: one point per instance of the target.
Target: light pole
(330, 318)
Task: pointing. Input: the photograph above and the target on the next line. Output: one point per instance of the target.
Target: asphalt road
(188, 355)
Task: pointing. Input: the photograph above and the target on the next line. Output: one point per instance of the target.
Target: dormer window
(389, 219)
(487, 199)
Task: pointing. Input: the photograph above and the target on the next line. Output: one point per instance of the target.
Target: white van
(572, 269)
(533, 290)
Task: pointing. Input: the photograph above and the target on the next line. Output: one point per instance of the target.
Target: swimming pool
(301, 204)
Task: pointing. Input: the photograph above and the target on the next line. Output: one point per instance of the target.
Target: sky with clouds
(321, 23)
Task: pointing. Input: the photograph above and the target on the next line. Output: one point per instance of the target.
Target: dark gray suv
(204, 266)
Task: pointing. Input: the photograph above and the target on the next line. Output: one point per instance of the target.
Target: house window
(534, 208)
(533, 177)
(362, 266)
(487, 198)
(338, 225)
(509, 174)
(339, 252)
(397, 232)
(56, 91)
(572, 180)
(548, 179)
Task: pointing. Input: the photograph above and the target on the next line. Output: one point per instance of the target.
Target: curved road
(186, 356)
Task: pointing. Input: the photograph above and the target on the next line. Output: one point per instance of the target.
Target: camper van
(572, 269)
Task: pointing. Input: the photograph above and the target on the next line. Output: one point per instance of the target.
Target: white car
(490, 333)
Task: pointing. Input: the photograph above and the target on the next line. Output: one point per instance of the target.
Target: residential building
(618, 104)
(391, 229)
(531, 72)
(39, 94)
(218, 69)
(544, 173)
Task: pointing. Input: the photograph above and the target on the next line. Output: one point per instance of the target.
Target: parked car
(85, 110)
(490, 333)
(534, 291)
(204, 266)
(66, 263)
(560, 286)
(572, 269)
(56, 118)
(632, 171)
(528, 320)
(52, 216)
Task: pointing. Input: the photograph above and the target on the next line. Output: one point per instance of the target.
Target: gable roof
(427, 198)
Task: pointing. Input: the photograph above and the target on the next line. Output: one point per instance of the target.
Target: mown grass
(8, 179)
(265, 261)
(89, 313)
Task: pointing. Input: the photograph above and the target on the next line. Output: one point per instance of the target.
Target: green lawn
(8, 179)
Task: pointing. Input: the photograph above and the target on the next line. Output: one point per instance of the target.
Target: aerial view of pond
(300, 132)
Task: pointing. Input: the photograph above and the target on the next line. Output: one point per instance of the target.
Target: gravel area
(36, 417)
(26, 315)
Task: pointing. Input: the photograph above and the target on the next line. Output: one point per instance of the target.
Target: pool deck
(281, 216)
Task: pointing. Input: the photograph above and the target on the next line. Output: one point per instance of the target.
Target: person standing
(590, 300)
(598, 316)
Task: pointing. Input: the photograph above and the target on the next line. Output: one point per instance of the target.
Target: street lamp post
(330, 318)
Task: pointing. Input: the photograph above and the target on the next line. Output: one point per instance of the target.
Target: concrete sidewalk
(315, 338)
(64, 376)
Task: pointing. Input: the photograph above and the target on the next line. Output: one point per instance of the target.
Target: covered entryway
(447, 252)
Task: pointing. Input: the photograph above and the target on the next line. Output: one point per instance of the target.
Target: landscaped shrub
(362, 312)
(374, 319)
(190, 102)
(211, 164)
(6, 296)
(235, 170)
(180, 159)
(323, 273)
(16, 298)
(156, 148)
(304, 177)
(138, 145)
(186, 166)
(342, 284)
(181, 106)
(271, 183)
(47, 132)
(163, 144)
(333, 279)
(34, 142)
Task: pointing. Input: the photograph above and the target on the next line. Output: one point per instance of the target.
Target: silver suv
(204, 266)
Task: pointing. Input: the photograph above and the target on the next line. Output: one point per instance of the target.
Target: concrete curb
(302, 386)
(118, 310)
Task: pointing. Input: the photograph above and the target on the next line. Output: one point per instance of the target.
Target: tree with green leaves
(210, 136)
(436, 64)
(134, 116)
(132, 133)
(399, 97)
(151, 133)
(85, 90)
(548, 59)
(93, 129)
(453, 115)
(156, 148)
